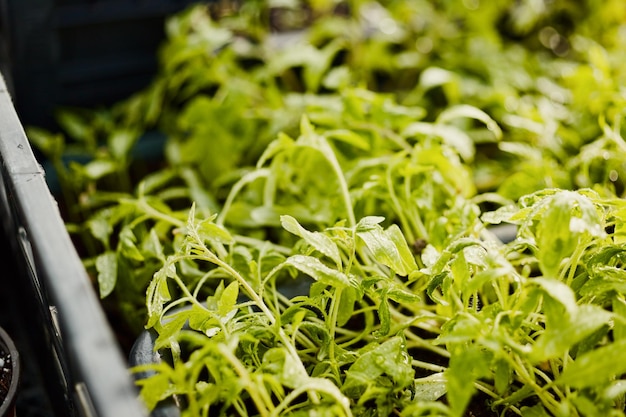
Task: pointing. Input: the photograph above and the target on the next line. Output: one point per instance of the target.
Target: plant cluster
(322, 235)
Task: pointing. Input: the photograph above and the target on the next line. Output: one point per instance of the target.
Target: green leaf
(384, 315)
(369, 223)
(568, 217)
(466, 366)
(279, 362)
(106, 265)
(559, 292)
(317, 240)
(430, 388)
(228, 299)
(121, 142)
(346, 307)
(471, 112)
(128, 247)
(76, 127)
(451, 135)
(101, 229)
(388, 359)
(52, 145)
(619, 308)
(596, 368)
(314, 268)
(434, 77)
(158, 293)
(98, 168)
(350, 137)
(208, 230)
(563, 330)
(537, 410)
(389, 247)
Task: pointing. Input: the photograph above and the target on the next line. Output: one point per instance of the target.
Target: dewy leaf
(502, 214)
(106, 265)
(389, 359)
(595, 368)
(389, 248)
(430, 388)
(314, 268)
(317, 240)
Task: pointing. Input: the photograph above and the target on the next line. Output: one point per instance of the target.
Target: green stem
(343, 185)
(247, 382)
(334, 313)
(150, 211)
(396, 201)
(236, 189)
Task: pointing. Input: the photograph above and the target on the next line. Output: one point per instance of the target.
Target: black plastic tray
(79, 52)
(84, 369)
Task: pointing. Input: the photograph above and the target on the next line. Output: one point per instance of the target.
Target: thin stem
(155, 214)
(334, 313)
(245, 377)
(236, 189)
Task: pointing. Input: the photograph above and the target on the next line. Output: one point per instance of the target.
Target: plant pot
(9, 375)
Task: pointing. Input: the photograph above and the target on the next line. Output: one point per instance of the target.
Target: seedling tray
(79, 52)
(86, 371)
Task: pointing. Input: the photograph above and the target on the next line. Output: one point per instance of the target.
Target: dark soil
(5, 373)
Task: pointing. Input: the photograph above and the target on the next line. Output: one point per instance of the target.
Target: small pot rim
(7, 343)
